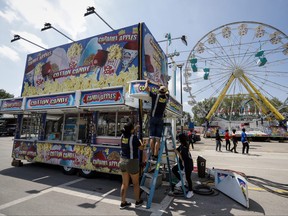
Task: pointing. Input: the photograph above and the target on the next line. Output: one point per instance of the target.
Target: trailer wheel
(68, 170)
(86, 173)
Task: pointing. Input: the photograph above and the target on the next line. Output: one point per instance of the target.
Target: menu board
(50, 101)
(11, 104)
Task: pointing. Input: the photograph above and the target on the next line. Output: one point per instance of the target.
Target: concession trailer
(76, 98)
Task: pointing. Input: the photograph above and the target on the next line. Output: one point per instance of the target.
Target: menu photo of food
(113, 60)
(74, 53)
(106, 160)
(94, 56)
(129, 53)
(56, 62)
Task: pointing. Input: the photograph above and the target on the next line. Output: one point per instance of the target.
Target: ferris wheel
(246, 57)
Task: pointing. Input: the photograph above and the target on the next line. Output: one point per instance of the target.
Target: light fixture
(49, 26)
(91, 10)
(183, 39)
(18, 37)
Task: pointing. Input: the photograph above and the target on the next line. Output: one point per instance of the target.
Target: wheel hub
(238, 72)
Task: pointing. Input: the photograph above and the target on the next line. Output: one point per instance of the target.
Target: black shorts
(129, 165)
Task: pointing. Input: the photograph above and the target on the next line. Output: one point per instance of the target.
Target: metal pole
(62, 33)
(180, 66)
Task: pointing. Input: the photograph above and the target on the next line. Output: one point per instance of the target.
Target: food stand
(77, 97)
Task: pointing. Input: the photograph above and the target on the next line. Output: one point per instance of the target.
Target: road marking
(156, 209)
(262, 189)
(37, 179)
(32, 196)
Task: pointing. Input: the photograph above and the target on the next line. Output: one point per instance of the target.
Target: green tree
(232, 104)
(4, 94)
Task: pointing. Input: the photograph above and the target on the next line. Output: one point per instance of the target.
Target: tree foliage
(4, 94)
(234, 107)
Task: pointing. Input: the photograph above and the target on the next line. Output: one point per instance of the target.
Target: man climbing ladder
(159, 101)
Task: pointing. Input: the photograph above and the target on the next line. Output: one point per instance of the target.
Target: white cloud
(9, 53)
(27, 47)
(9, 15)
(64, 15)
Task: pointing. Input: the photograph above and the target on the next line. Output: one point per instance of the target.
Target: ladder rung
(149, 175)
(145, 189)
(153, 162)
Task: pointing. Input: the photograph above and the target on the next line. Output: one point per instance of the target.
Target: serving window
(31, 126)
(53, 129)
(75, 127)
(111, 123)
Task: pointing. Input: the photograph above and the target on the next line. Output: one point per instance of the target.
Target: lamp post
(168, 40)
(180, 66)
(91, 10)
(17, 37)
(49, 26)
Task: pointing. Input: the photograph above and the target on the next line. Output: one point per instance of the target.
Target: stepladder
(154, 168)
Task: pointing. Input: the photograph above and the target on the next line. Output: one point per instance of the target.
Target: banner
(101, 61)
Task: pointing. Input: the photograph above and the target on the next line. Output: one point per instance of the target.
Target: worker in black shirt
(129, 164)
(159, 102)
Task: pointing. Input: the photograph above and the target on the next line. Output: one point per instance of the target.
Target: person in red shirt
(227, 139)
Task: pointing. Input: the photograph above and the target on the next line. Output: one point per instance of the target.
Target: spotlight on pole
(91, 10)
(49, 26)
(18, 37)
(184, 39)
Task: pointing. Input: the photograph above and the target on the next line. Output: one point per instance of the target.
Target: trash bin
(201, 165)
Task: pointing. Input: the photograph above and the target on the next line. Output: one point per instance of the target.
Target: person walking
(159, 102)
(191, 137)
(234, 140)
(129, 164)
(227, 140)
(186, 163)
(245, 143)
(218, 140)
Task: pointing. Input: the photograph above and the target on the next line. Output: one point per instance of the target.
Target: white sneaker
(189, 194)
(179, 184)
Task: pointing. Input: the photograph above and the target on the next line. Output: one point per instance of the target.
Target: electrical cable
(203, 189)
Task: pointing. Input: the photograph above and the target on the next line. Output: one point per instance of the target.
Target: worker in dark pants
(185, 162)
(234, 140)
(245, 142)
(191, 137)
(218, 140)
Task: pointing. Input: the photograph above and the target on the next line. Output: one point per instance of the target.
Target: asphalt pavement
(39, 189)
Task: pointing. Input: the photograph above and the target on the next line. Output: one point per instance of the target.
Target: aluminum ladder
(152, 165)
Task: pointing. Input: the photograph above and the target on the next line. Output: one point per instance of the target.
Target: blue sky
(193, 18)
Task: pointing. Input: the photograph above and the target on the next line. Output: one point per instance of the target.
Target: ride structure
(240, 58)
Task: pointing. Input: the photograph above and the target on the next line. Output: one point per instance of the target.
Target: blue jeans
(218, 145)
